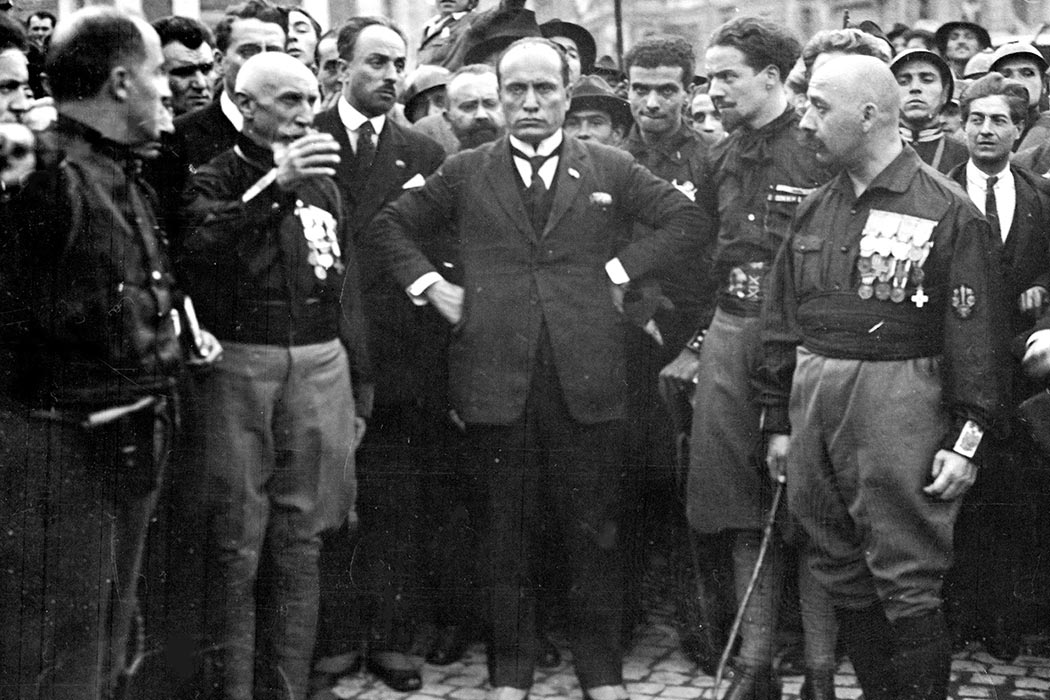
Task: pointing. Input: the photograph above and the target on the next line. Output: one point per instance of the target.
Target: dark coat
(518, 280)
(402, 363)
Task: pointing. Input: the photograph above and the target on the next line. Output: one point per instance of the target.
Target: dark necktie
(539, 206)
(991, 209)
(366, 148)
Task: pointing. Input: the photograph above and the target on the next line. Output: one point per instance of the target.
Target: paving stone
(669, 678)
(1041, 671)
(1032, 684)
(635, 672)
(848, 693)
(1009, 670)
(973, 691)
(968, 665)
(987, 679)
(1031, 661)
(645, 688)
(686, 693)
(468, 694)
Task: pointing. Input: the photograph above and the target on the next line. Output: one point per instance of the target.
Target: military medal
(319, 230)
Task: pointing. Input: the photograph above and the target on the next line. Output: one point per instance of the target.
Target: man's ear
(245, 103)
(869, 113)
(118, 87)
(220, 66)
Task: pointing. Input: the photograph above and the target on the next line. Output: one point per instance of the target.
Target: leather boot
(818, 685)
(924, 657)
(753, 683)
(868, 639)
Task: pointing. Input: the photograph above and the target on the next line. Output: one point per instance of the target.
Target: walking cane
(767, 536)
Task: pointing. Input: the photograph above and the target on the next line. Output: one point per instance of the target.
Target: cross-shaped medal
(920, 298)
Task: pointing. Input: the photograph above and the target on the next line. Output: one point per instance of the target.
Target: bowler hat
(584, 40)
(591, 92)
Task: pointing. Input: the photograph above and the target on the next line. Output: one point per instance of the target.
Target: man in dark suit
(249, 28)
(405, 437)
(995, 526)
(536, 364)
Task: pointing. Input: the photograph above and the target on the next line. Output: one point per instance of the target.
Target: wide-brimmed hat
(584, 40)
(498, 31)
(591, 92)
(605, 68)
(911, 55)
(940, 37)
(1017, 48)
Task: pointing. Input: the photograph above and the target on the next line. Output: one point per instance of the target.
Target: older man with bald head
(276, 419)
(881, 328)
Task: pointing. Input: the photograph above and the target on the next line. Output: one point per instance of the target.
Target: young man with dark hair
(14, 71)
(40, 25)
(756, 179)
(379, 160)
(926, 85)
(188, 62)
(665, 305)
(304, 33)
(994, 531)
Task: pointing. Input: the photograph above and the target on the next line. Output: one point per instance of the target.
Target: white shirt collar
(231, 111)
(543, 148)
(353, 119)
(978, 178)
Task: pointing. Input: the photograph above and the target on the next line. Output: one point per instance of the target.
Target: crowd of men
(313, 360)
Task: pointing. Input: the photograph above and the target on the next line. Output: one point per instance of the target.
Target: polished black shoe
(403, 680)
(449, 646)
(753, 683)
(549, 656)
(818, 685)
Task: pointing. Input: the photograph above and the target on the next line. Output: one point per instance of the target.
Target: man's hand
(776, 456)
(447, 298)
(210, 349)
(1032, 300)
(313, 155)
(17, 152)
(953, 475)
(1036, 360)
(679, 376)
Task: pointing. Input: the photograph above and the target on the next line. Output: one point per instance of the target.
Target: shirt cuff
(416, 289)
(1042, 337)
(618, 275)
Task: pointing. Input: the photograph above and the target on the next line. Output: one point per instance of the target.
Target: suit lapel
(502, 176)
(384, 172)
(329, 121)
(571, 167)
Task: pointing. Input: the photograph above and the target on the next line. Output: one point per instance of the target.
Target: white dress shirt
(613, 268)
(1005, 194)
(353, 120)
(231, 111)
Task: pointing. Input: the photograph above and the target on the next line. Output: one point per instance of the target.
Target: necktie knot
(992, 179)
(535, 162)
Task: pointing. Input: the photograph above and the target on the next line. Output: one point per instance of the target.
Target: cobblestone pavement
(656, 668)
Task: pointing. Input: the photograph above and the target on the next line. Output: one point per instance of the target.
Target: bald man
(881, 328)
(276, 420)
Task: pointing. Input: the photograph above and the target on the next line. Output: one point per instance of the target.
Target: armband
(969, 439)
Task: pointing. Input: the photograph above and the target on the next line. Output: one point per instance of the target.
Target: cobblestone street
(656, 668)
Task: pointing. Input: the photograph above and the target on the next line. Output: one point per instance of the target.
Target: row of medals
(321, 239)
(893, 248)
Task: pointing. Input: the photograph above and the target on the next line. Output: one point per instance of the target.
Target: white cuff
(1042, 337)
(416, 289)
(618, 275)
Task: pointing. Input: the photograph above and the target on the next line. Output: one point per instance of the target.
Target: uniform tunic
(880, 386)
(756, 180)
